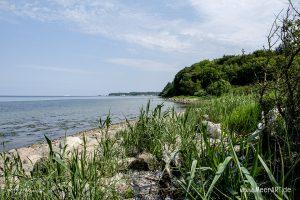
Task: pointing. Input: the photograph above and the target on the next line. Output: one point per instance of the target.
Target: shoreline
(183, 100)
(75, 133)
(31, 154)
(86, 133)
(25, 130)
(91, 132)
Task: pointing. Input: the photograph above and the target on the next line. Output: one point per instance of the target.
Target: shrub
(200, 93)
(244, 90)
(218, 88)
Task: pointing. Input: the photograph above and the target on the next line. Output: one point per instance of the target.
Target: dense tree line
(216, 76)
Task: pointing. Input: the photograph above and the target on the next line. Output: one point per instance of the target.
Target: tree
(167, 91)
(218, 88)
(285, 34)
(283, 92)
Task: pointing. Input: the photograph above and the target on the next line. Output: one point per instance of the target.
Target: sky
(93, 47)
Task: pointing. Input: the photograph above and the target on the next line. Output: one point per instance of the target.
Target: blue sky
(91, 47)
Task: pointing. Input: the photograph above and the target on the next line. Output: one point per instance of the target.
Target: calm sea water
(25, 120)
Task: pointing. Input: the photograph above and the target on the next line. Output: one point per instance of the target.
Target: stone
(13, 152)
(214, 130)
(145, 184)
(237, 148)
(149, 159)
(71, 143)
(34, 158)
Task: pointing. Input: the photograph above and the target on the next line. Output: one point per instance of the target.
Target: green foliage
(219, 108)
(218, 88)
(244, 90)
(200, 93)
(144, 136)
(185, 83)
(208, 75)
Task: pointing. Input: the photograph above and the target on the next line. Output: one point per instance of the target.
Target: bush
(244, 90)
(200, 93)
(218, 88)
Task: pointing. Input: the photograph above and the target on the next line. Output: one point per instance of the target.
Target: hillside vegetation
(215, 77)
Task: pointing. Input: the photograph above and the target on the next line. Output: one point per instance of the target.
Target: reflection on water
(25, 120)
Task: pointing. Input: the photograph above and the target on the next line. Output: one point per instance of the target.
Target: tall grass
(243, 119)
(234, 167)
(58, 176)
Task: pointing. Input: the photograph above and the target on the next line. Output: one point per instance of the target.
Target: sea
(25, 120)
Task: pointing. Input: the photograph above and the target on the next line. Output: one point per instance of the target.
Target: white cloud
(142, 64)
(108, 18)
(227, 25)
(242, 22)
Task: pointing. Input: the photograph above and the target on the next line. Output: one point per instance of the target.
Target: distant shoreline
(110, 94)
(134, 94)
